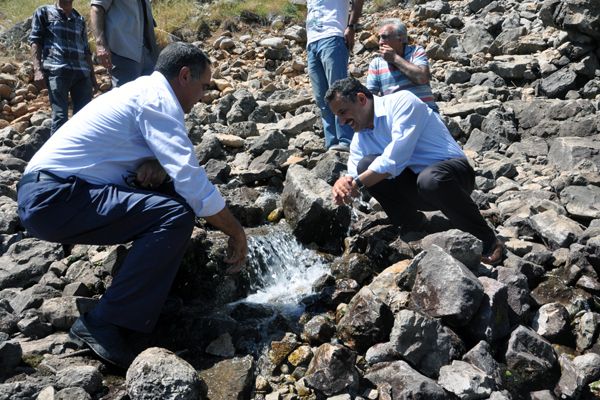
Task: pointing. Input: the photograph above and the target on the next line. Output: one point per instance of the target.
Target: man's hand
(38, 79)
(349, 37)
(237, 252)
(387, 53)
(343, 190)
(150, 174)
(103, 56)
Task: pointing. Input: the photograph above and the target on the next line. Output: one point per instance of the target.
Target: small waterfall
(282, 270)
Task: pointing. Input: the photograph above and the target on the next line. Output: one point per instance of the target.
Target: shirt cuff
(211, 205)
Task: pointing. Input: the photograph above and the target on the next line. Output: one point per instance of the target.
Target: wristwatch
(361, 186)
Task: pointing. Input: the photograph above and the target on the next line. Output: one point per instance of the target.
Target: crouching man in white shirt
(77, 189)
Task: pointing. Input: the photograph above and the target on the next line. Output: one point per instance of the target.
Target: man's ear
(185, 75)
(362, 98)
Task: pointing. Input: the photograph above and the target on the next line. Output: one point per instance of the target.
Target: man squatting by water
(404, 156)
(75, 190)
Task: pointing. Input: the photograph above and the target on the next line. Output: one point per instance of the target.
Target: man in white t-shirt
(330, 27)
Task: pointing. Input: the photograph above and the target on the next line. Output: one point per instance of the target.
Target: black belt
(38, 176)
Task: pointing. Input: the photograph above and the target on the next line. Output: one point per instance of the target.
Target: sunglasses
(389, 36)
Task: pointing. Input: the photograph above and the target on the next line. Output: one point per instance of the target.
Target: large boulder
(401, 381)
(332, 370)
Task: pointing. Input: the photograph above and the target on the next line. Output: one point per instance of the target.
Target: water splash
(283, 270)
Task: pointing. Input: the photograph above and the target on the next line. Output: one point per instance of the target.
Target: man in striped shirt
(61, 58)
(399, 66)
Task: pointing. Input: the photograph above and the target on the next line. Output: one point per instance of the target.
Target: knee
(428, 183)
(181, 217)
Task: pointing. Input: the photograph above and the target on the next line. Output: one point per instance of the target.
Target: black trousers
(444, 186)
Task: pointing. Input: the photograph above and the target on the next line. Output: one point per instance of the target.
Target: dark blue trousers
(60, 85)
(73, 211)
(445, 186)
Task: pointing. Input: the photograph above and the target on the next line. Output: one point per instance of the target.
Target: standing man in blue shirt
(400, 66)
(404, 156)
(62, 60)
(75, 190)
(330, 29)
(125, 40)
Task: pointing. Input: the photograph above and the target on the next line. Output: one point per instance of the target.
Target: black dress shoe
(104, 339)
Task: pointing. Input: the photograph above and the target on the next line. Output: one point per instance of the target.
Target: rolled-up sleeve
(37, 28)
(167, 139)
(407, 119)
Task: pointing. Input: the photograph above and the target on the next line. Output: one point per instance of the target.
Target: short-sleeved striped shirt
(385, 78)
(63, 39)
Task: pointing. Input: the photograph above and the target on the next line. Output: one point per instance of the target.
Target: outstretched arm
(97, 18)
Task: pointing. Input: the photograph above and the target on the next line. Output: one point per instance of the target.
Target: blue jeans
(73, 211)
(327, 63)
(60, 84)
(125, 69)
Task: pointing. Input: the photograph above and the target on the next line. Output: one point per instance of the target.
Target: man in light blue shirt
(76, 190)
(404, 156)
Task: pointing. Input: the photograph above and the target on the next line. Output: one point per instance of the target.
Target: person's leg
(81, 92)
(334, 57)
(319, 83)
(448, 186)
(159, 226)
(58, 94)
(148, 62)
(398, 197)
(124, 70)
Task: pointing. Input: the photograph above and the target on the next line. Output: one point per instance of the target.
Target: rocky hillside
(399, 316)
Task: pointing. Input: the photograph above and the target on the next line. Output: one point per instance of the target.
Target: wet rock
(332, 370)
(445, 288)
(157, 373)
(529, 357)
(330, 167)
(301, 356)
(461, 245)
(308, 208)
(319, 329)
(404, 381)
(367, 321)
(491, 322)
(353, 266)
(576, 374)
(281, 349)
(437, 345)
(465, 380)
(221, 346)
(586, 330)
(551, 321)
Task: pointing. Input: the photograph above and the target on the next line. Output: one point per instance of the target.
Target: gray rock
(86, 377)
(404, 381)
(455, 75)
(476, 5)
(297, 124)
(289, 104)
(33, 327)
(10, 355)
(514, 67)
(501, 123)
(481, 357)
(332, 370)
(295, 32)
(32, 297)
(491, 322)
(268, 141)
(237, 372)
(542, 395)
(62, 312)
(242, 107)
(582, 201)
(274, 42)
(466, 381)
(209, 148)
(308, 208)
(23, 390)
(551, 321)
(71, 393)
(518, 297)
(330, 167)
(557, 84)
(26, 261)
(445, 288)
(476, 39)
(159, 374)
(529, 356)
(9, 219)
(530, 148)
(480, 142)
(367, 321)
(463, 246)
(437, 345)
(579, 15)
(558, 230)
(568, 153)
(586, 330)
(495, 166)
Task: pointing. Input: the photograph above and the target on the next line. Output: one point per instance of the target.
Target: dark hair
(178, 55)
(347, 88)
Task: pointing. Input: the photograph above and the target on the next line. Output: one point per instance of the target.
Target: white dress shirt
(406, 134)
(112, 135)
